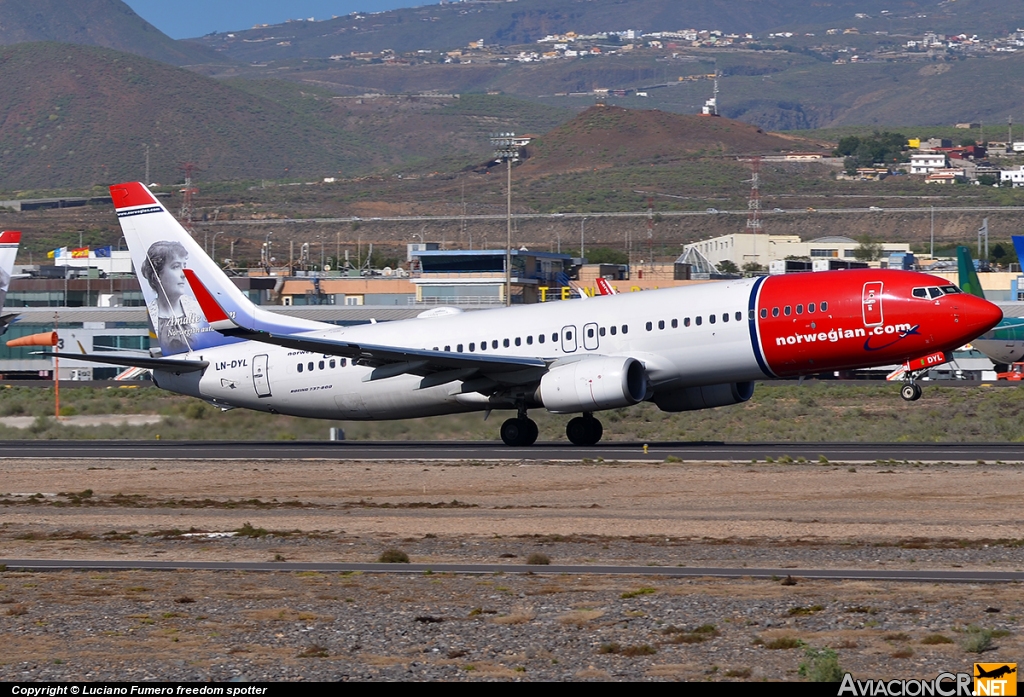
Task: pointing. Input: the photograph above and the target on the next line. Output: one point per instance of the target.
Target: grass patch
(645, 590)
(936, 639)
(630, 651)
(802, 611)
(785, 642)
(691, 636)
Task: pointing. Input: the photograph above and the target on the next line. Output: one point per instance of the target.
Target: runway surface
(491, 450)
(675, 571)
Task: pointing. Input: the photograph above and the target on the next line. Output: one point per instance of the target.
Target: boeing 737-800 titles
(693, 347)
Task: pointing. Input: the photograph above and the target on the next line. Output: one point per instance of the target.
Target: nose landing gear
(910, 391)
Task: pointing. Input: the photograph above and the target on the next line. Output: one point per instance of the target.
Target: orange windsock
(44, 339)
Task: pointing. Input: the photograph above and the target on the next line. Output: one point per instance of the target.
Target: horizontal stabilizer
(134, 361)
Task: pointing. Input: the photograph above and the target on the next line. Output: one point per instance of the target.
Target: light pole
(213, 253)
(505, 148)
(582, 250)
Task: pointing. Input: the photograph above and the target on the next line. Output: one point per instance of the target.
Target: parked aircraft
(693, 347)
(1004, 344)
(9, 241)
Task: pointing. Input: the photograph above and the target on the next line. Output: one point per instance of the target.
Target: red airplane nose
(980, 315)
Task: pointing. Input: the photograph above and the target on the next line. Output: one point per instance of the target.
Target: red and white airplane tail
(161, 250)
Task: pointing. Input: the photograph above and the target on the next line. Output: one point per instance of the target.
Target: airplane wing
(133, 361)
(437, 367)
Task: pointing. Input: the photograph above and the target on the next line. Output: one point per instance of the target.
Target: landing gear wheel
(519, 432)
(911, 392)
(584, 430)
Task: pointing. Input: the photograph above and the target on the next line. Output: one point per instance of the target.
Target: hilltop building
(746, 248)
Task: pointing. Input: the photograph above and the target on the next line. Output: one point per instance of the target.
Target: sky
(185, 19)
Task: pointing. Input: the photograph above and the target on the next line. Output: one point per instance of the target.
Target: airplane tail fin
(969, 282)
(1018, 246)
(9, 241)
(161, 250)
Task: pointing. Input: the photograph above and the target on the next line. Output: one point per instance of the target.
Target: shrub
(933, 639)
(393, 556)
(976, 639)
(314, 651)
(248, 530)
(822, 665)
(538, 559)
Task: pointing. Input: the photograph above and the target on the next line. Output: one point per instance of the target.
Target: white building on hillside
(1014, 177)
(745, 248)
(926, 162)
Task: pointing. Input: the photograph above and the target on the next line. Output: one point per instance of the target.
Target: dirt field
(221, 625)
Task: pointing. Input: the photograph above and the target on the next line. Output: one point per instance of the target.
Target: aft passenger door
(871, 301)
(569, 338)
(259, 375)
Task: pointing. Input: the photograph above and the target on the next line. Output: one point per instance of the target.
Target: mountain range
(87, 86)
(106, 23)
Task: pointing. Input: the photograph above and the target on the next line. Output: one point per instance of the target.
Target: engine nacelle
(592, 384)
(705, 397)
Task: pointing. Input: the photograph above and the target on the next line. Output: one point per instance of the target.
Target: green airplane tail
(969, 282)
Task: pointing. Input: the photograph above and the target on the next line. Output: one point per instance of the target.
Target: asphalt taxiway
(937, 576)
(707, 451)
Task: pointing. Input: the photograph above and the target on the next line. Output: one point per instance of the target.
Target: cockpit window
(951, 290)
(921, 293)
(935, 293)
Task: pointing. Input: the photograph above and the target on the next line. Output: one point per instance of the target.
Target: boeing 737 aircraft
(693, 347)
(9, 241)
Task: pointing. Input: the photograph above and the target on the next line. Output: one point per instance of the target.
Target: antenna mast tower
(754, 202)
(650, 232)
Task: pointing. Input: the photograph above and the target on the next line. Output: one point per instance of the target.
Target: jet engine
(704, 397)
(592, 384)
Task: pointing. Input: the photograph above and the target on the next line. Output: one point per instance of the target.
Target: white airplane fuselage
(268, 378)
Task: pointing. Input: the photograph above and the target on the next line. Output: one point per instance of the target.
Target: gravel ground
(309, 626)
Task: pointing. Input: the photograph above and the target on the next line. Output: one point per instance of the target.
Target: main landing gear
(911, 391)
(584, 430)
(519, 431)
(522, 431)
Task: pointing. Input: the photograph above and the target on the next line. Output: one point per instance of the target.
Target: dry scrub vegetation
(815, 411)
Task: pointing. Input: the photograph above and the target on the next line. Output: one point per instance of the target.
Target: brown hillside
(107, 23)
(608, 136)
(81, 115)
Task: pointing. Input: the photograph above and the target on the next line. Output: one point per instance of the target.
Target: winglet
(605, 287)
(10, 237)
(215, 315)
